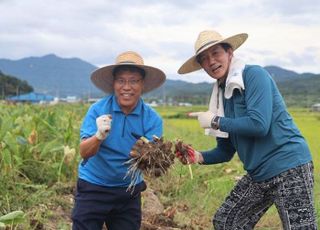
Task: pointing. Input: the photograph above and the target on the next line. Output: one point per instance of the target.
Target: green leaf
(6, 125)
(18, 160)
(6, 157)
(49, 127)
(11, 143)
(12, 217)
(51, 147)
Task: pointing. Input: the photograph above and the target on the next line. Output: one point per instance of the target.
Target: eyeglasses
(131, 82)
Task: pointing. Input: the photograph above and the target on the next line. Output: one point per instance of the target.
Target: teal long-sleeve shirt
(260, 129)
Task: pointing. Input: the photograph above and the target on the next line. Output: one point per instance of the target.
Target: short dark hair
(226, 46)
(130, 68)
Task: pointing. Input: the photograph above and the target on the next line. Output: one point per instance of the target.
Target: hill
(182, 91)
(11, 86)
(302, 92)
(70, 76)
(52, 75)
(280, 74)
(297, 89)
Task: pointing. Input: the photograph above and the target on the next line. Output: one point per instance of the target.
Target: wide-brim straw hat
(205, 40)
(103, 77)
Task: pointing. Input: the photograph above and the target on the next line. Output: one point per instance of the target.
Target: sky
(281, 32)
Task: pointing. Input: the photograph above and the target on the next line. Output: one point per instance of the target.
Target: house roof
(31, 97)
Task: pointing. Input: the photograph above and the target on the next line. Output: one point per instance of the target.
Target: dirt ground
(154, 215)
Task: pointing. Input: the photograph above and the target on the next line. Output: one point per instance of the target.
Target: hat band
(206, 45)
(127, 62)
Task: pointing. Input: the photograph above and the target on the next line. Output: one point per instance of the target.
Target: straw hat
(205, 40)
(103, 77)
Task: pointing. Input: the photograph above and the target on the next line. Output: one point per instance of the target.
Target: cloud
(164, 32)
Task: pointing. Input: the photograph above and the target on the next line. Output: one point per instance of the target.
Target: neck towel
(234, 81)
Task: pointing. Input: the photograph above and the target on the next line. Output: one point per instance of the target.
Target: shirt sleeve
(258, 98)
(89, 127)
(222, 153)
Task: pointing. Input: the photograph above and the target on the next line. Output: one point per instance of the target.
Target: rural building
(31, 98)
(70, 99)
(153, 104)
(187, 104)
(315, 107)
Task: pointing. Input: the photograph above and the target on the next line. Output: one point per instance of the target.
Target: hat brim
(102, 78)
(192, 64)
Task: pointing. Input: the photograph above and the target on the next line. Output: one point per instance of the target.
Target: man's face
(215, 61)
(128, 88)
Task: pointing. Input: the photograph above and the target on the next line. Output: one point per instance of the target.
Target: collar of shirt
(222, 84)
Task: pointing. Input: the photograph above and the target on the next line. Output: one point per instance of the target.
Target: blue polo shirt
(260, 129)
(107, 167)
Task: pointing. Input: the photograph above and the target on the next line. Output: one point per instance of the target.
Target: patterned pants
(290, 191)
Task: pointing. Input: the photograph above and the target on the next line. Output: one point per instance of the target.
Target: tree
(11, 86)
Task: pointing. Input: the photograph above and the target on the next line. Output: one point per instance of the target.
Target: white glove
(197, 157)
(103, 125)
(204, 118)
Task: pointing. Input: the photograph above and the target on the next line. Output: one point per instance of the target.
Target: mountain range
(63, 77)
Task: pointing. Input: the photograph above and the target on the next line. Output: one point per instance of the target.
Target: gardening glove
(188, 155)
(195, 157)
(204, 118)
(103, 125)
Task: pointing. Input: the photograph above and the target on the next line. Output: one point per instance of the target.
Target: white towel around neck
(234, 81)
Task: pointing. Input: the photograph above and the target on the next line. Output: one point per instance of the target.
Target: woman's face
(216, 61)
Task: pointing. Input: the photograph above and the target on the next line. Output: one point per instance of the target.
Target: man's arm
(222, 153)
(89, 147)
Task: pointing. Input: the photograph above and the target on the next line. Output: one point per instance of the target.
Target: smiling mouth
(216, 68)
(126, 95)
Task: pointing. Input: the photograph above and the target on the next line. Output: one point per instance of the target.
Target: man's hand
(204, 118)
(103, 125)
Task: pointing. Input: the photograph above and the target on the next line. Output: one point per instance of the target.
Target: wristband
(215, 122)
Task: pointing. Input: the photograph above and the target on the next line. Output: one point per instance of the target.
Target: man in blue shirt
(108, 133)
(247, 115)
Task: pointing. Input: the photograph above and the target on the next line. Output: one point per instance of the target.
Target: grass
(204, 194)
(37, 178)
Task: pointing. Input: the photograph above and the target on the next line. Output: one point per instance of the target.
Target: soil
(154, 215)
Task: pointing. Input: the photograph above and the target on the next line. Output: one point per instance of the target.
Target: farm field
(39, 158)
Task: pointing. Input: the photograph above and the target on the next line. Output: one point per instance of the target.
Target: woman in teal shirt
(255, 124)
